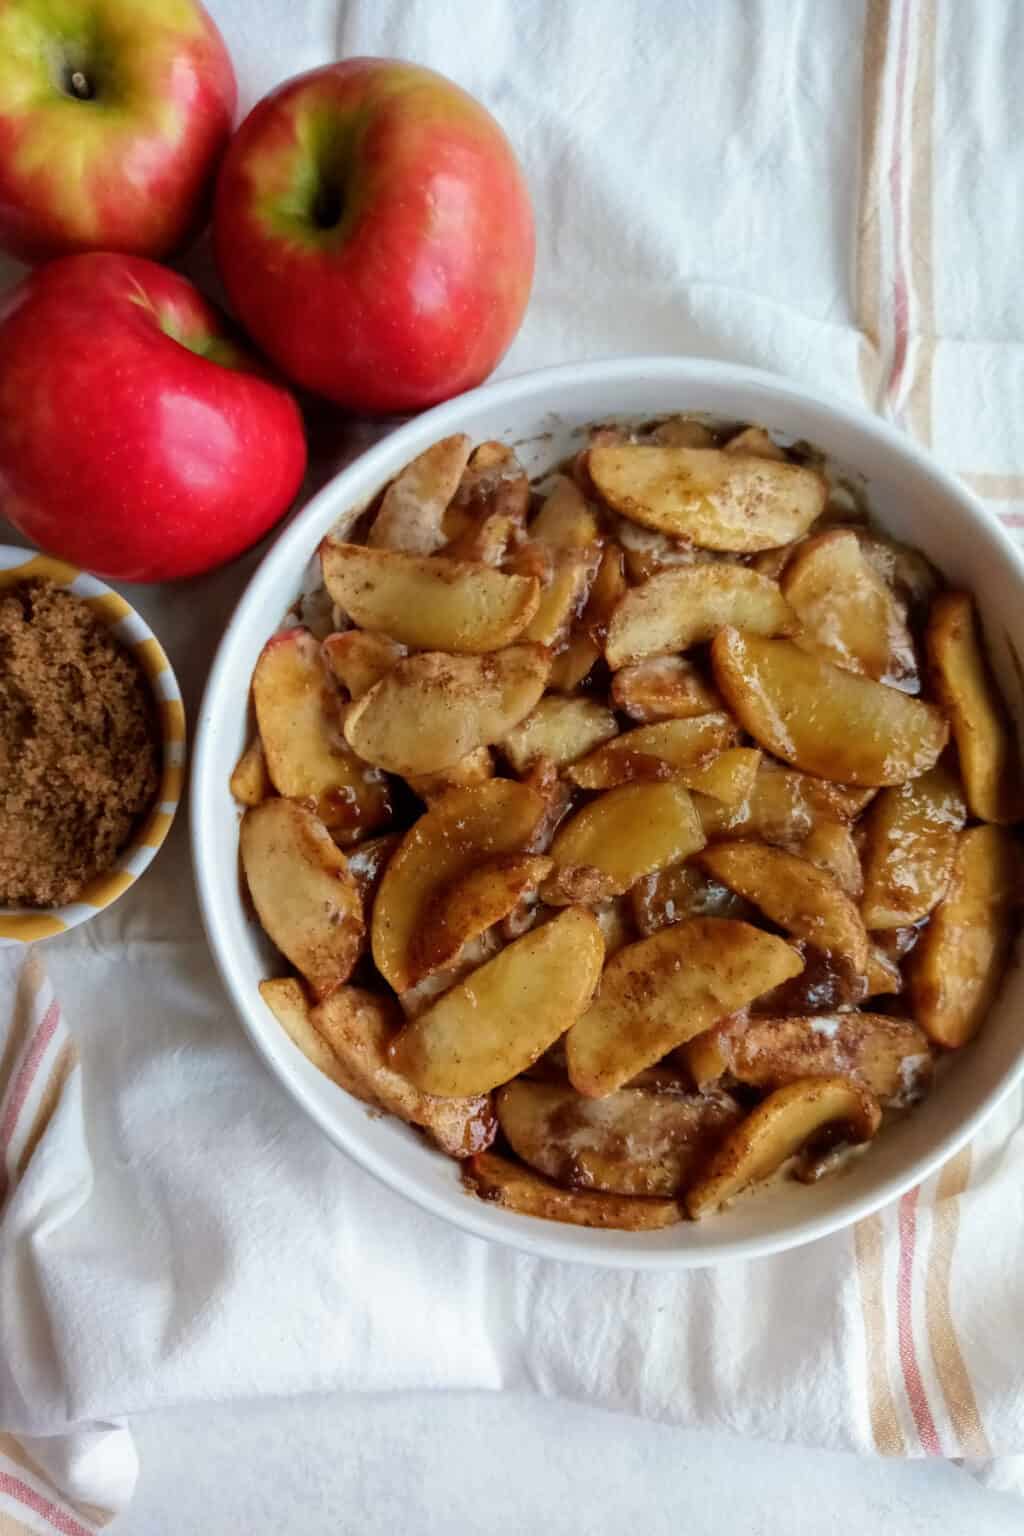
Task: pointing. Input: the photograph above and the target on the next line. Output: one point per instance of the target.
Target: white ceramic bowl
(543, 414)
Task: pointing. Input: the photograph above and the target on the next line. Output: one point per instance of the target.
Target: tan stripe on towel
(950, 1368)
(995, 487)
(67, 1059)
(922, 112)
(885, 1425)
(869, 233)
(11, 1527)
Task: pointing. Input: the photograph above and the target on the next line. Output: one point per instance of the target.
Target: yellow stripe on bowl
(111, 607)
(26, 926)
(172, 716)
(105, 888)
(40, 567)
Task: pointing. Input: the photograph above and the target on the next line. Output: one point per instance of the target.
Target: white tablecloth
(826, 189)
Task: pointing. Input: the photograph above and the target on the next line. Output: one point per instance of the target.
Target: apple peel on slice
(658, 993)
(304, 893)
(716, 500)
(822, 718)
(499, 1180)
(776, 1130)
(497, 1021)
(432, 603)
(434, 708)
(677, 609)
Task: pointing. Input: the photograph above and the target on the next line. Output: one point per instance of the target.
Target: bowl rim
(24, 925)
(534, 1236)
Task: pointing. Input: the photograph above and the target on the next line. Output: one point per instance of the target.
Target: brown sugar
(79, 745)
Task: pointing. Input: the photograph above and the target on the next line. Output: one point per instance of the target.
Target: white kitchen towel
(828, 189)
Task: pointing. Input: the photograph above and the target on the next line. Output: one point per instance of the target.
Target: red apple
(374, 232)
(136, 439)
(113, 116)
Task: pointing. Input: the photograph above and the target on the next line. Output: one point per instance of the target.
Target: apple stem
(327, 209)
(80, 85)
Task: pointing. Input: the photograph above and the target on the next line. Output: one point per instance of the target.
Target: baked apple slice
(566, 520)
(474, 902)
(629, 832)
(559, 730)
(250, 781)
(516, 1188)
(958, 964)
(497, 1021)
(678, 609)
(776, 1130)
(800, 897)
(346, 1039)
(718, 500)
(986, 740)
(359, 1027)
(359, 659)
(634, 1142)
(466, 828)
(755, 442)
(432, 603)
(434, 708)
(847, 613)
(304, 893)
(299, 716)
(889, 1057)
(681, 891)
(476, 767)
(831, 845)
(783, 806)
(664, 688)
(911, 841)
(411, 515)
(822, 718)
(660, 992)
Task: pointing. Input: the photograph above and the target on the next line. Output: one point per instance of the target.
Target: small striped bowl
(26, 925)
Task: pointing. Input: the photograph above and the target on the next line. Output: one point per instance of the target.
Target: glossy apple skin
(123, 448)
(128, 169)
(418, 283)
